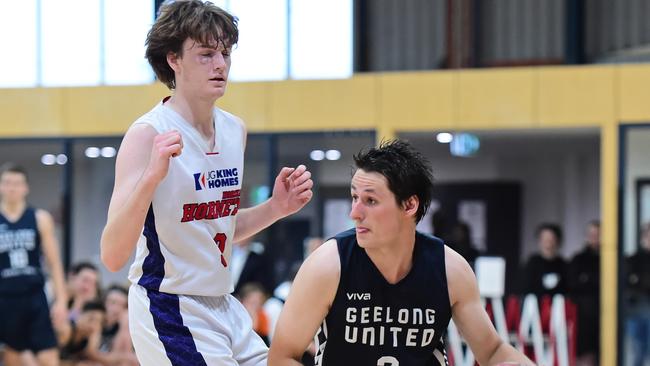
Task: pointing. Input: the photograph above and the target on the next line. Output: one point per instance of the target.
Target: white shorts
(179, 330)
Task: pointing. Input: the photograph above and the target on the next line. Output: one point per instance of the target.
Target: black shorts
(26, 323)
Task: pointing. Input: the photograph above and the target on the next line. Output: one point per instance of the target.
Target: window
(19, 43)
(124, 35)
(70, 42)
(321, 39)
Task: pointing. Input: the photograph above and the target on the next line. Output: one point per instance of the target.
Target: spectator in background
(638, 297)
(545, 272)
(250, 264)
(116, 338)
(76, 337)
(253, 296)
(83, 283)
(441, 225)
(80, 340)
(460, 240)
(584, 290)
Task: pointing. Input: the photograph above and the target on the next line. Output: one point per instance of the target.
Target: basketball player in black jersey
(25, 234)
(382, 294)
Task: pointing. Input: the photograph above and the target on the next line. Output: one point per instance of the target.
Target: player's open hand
(165, 146)
(292, 190)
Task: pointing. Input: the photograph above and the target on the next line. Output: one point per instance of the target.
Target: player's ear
(172, 60)
(411, 205)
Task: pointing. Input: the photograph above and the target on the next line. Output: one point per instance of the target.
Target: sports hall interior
(553, 97)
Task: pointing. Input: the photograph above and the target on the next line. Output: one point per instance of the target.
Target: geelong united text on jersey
(211, 210)
(374, 322)
(396, 327)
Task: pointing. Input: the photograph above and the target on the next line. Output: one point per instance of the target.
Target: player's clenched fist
(165, 146)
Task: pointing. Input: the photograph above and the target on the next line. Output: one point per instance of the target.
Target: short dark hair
(182, 19)
(554, 228)
(119, 288)
(78, 267)
(93, 305)
(407, 171)
(10, 167)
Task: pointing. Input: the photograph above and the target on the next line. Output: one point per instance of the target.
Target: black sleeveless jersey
(375, 323)
(20, 254)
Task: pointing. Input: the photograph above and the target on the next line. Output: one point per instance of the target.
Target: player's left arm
(291, 192)
(470, 317)
(50, 247)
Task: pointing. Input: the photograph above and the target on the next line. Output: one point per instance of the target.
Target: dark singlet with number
(20, 254)
(372, 322)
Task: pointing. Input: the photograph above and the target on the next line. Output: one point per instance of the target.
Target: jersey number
(18, 258)
(387, 361)
(220, 240)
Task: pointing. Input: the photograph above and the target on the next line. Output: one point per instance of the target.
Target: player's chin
(217, 92)
(363, 240)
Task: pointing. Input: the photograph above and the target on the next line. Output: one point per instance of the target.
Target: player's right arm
(312, 293)
(142, 162)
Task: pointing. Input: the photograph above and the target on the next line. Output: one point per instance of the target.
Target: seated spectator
(76, 336)
(252, 296)
(250, 263)
(80, 340)
(545, 272)
(115, 334)
(83, 287)
(460, 240)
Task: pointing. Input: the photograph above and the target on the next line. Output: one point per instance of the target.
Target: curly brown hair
(179, 20)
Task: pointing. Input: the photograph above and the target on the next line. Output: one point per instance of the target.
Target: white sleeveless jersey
(187, 238)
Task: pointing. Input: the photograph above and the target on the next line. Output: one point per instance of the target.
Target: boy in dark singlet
(382, 294)
(26, 233)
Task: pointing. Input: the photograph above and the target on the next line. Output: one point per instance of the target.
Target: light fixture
(61, 159)
(444, 137)
(48, 159)
(332, 154)
(317, 155)
(464, 144)
(108, 151)
(92, 152)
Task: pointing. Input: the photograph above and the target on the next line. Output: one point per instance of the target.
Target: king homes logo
(216, 179)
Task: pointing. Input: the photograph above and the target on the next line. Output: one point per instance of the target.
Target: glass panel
(18, 38)
(321, 39)
(124, 36)
(635, 249)
(262, 50)
(94, 174)
(70, 42)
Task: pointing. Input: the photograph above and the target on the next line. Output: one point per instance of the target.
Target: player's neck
(199, 113)
(12, 210)
(394, 261)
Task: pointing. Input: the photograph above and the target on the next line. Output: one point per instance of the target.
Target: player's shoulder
(43, 217)
(324, 260)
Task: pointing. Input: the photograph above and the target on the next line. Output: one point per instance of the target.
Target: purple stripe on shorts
(175, 337)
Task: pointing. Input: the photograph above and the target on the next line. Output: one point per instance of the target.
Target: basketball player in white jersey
(178, 179)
